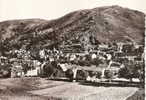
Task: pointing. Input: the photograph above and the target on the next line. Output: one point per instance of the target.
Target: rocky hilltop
(86, 27)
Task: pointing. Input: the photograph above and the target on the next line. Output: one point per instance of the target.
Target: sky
(52, 9)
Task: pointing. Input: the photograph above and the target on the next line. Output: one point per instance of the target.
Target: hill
(85, 27)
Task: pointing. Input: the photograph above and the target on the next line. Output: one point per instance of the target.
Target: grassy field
(16, 89)
(43, 89)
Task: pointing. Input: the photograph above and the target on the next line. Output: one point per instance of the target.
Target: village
(99, 62)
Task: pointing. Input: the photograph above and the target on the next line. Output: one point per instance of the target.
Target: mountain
(86, 27)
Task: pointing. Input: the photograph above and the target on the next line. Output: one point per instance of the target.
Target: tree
(92, 73)
(108, 74)
(48, 70)
(52, 70)
(5, 71)
(26, 67)
(81, 74)
(98, 74)
(132, 71)
(69, 74)
(138, 72)
(125, 73)
(96, 61)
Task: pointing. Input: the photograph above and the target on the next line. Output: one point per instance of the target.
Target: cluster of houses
(108, 57)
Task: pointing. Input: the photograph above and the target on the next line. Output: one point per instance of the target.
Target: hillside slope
(86, 27)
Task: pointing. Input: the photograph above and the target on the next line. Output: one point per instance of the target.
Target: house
(93, 56)
(131, 58)
(72, 57)
(119, 46)
(102, 46)
(33, 72)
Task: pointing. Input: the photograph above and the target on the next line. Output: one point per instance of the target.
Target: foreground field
(43, 89)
